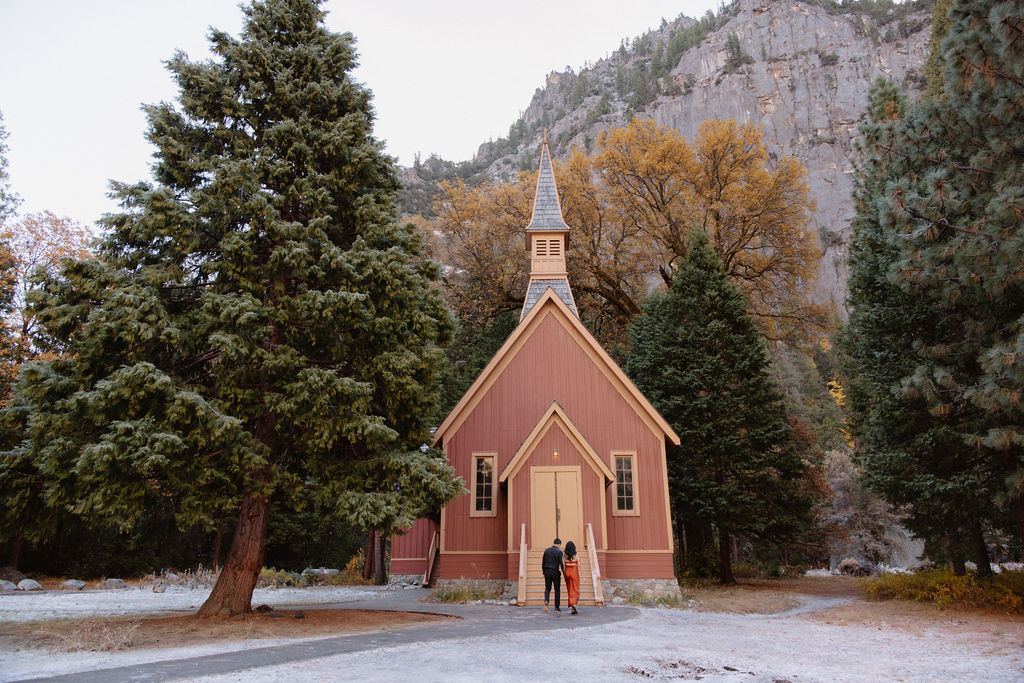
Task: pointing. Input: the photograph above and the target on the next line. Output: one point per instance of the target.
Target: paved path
(472, 621)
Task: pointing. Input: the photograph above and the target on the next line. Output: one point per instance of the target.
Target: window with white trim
(482, 503)
(625, 484)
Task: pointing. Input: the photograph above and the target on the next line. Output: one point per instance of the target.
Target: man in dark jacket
(553, 566)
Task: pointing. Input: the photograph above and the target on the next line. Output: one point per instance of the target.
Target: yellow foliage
(630, 206)
(1003, 592)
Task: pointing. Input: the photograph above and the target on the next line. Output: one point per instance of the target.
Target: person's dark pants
(553, 577)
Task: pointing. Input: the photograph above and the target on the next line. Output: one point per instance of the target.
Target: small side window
(482, 503)
(625, 484)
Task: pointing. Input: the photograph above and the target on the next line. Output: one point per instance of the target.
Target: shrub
(1003, 592)
(463, 591)
(639, 599)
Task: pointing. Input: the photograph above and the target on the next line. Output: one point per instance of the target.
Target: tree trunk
(981, 552)
(379, 574)
(959, 568)
(233, 590)
(1018, 508)
(15, 556)
(368, 555)
(164, 552)
(725, 558)
(216, 547)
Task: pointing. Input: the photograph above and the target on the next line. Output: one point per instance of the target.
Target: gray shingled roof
(547, 214)
(538, 287)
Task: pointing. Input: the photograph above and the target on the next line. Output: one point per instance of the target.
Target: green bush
(1003, 592)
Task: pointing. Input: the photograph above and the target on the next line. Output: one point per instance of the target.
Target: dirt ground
(751, 596)
(120, 633)
(769, 596)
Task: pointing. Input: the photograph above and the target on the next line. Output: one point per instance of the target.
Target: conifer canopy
(257, 323)
(696, 354)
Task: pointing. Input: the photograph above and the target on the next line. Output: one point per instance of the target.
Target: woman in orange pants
(572, 575)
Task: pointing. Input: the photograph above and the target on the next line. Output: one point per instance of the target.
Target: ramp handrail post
(595, 570)
(521, 594)
(430, 558)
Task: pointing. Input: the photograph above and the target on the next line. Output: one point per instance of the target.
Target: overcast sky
(446, 75)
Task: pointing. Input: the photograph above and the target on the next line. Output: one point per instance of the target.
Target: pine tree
(258, 324)
(9, 199)
(915, 462)
(696, 354)
(949, 214)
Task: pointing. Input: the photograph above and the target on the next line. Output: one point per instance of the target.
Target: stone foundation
(403, 580)
(617, 591)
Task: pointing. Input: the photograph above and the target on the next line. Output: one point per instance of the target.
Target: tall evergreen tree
(949, 215)
(696, 354)
(258, 323)
(915, 462)
(9, 199)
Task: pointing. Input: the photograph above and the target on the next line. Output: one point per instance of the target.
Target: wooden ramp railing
(431, 557)
(521, 595)
(595, 569)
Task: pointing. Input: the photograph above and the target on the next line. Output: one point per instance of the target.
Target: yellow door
(556, 507)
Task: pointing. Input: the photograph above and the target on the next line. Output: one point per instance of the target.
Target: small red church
(552, 440)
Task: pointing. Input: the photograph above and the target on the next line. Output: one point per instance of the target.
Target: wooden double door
(556, 506)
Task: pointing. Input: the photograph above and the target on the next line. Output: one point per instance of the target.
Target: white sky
(446, 75)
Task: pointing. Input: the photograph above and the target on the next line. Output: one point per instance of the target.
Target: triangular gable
(555, 416)
(551, 304)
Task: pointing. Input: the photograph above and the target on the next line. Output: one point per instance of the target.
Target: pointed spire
(547, 239)
(547, 211)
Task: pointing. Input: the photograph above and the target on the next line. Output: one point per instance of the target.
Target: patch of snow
(661, 644)
(818, 572)
(101, 603)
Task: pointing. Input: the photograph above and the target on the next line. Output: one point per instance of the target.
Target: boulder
(29, 585)
(72, 585)
(11, 574)
(6, 586)
(159, 587)
(114, 584)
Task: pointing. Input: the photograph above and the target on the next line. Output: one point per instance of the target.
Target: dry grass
(90, 635)
(767, 596)
(119, 633)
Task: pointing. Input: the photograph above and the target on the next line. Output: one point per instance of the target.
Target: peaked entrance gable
(555, 416)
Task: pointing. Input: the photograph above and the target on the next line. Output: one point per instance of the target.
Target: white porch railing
(595, 570)
(431, 555)
(521, 594)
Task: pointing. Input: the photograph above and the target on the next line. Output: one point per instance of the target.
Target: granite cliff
(801, 70)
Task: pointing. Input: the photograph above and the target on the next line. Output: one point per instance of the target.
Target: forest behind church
(207, 319)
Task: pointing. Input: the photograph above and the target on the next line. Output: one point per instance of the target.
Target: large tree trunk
(981, 552)
(724, 558)
(233, 590)
(368, 554)
(15, 556)
(380, 577)
(216, 547)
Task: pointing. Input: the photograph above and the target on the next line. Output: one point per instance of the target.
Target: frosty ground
(815, 637)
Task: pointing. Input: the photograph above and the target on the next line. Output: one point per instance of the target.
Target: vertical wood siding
(552, 366)
(409, 549)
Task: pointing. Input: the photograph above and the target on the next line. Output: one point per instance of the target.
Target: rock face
(803, 76)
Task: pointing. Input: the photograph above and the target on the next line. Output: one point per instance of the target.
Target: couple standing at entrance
(555, 563)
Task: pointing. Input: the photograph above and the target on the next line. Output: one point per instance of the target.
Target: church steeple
(547, 238)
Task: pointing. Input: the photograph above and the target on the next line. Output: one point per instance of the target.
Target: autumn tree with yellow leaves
(630, 206)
